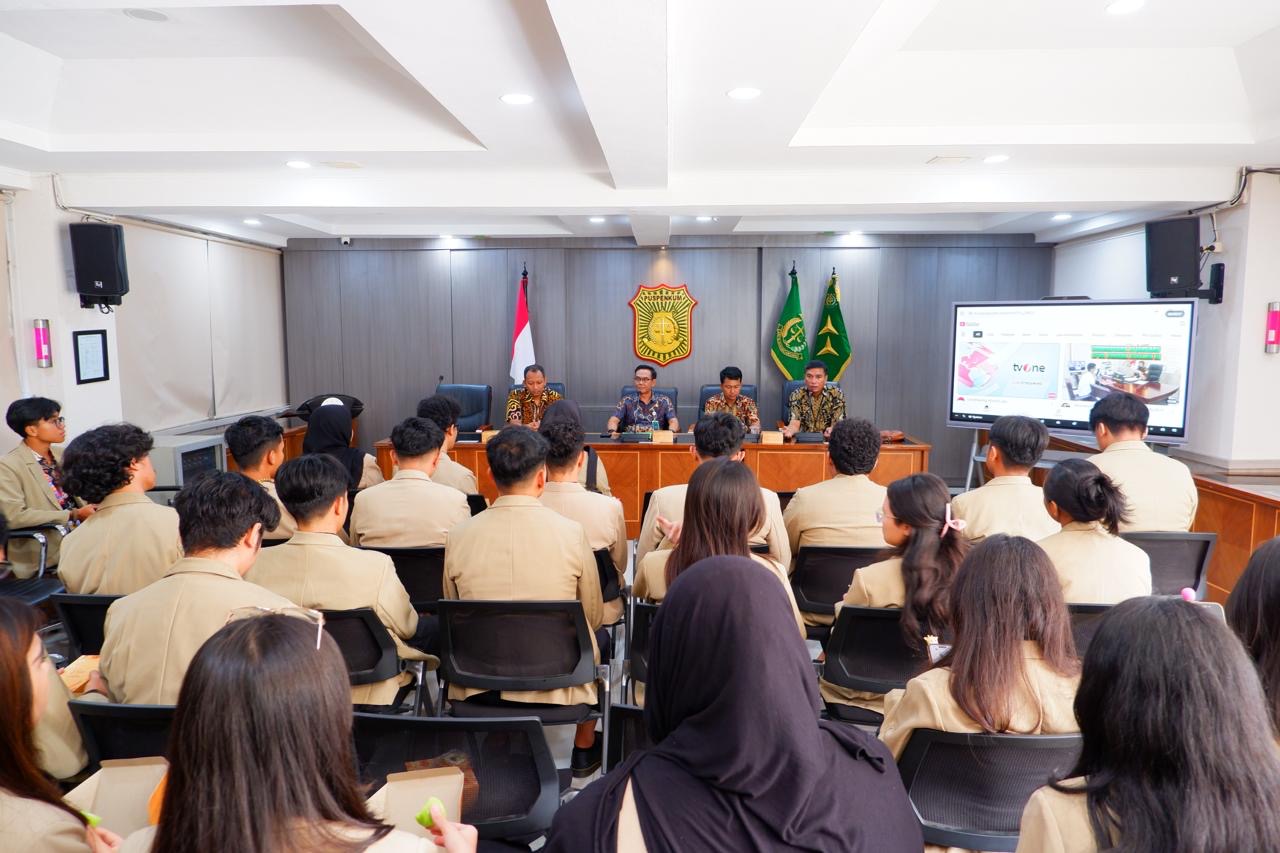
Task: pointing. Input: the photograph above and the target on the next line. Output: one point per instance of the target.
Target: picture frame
(90, 348)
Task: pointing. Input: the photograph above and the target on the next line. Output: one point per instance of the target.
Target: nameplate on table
(664, 436)
(771, 437)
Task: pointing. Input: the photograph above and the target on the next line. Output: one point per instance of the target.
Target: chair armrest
(35, 533)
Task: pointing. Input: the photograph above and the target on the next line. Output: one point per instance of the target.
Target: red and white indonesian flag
(521, 333)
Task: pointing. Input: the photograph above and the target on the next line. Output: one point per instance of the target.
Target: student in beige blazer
(151, 635)
(520, 550)
(444, 412)
(31, 492)
(716, 435)
(409, 510)
(927, 549)
(840, 511)
(256, 444)
(1009, 502)
(316, 569)
(1159, 490)
(601, 517)
(131, 540)
(1094, 564)
(1012, 665)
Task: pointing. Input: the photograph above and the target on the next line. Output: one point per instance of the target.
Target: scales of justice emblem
(663, 323)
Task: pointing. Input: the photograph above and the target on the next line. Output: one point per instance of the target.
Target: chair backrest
(642, 618)
(608, 575)
(303, 410)
(365, 644)
(708, 391)
(822, 575)
(788, 388)
(271, 543)
(421, 572)
(627, 733)
(476, 402)
(1084, 623)
(515, 645)
(1178, 560)
(122, 731)
(644, 505)
(868, 652)
(477, 504)
(784, 498)
(969, 790)
(671, 393)
(558, 387)
(82, 618)
(510, 787)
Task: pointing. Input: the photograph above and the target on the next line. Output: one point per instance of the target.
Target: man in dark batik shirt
(639, 412)
(815, 407)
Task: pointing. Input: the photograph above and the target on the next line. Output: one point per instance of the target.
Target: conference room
(662, 426)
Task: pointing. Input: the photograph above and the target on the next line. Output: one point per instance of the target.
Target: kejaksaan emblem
(664, 323)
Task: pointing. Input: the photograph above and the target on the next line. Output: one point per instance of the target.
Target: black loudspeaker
(97, 251)
(1173, 256)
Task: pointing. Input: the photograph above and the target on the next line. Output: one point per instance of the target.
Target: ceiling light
(298, 164)
(704, 218)
(150, 15)
(516, 99)
(597, 219)
(253, 222)
(1061, 217)
(744, 93)
(1124, 7)
(993, 159)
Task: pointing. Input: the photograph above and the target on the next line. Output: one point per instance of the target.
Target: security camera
(346, 241)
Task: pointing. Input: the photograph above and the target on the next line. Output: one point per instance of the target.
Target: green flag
(790, 344)
(831, 346)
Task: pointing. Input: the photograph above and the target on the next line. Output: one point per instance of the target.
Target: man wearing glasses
(644, 411)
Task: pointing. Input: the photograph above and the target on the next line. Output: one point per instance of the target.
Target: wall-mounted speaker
(97, 252)
(1173, 256)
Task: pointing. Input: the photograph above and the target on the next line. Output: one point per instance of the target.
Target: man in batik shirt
(730, 400)
(640, 411)
(526, 405)
(815, 407)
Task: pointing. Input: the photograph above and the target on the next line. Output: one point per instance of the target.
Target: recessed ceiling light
(1061, 217)
(1124, 7)
(993, 159)
(704, 218)
(597, 219)
(150, 15)
(744, 93)
(516, 99)
(253, 222)
(298, 164)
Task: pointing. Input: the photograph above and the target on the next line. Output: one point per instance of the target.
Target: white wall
(1112, 266)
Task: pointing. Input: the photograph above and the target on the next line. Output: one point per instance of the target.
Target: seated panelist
(730, 400)
(814, 407)
(526, 405)
(644, 411)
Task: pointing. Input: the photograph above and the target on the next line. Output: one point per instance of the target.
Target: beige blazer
(371, 474)
(877, 585)
(1044, 704)
(1054, 822)
(31, 825)
(606, 527)
(288, 525)
(836, 512)
(520, 550)
(651, 580)
(407, 511)
(396, 841)
(460, 477)
(151, 635)
(58, 741)
(1160, 491)
(1096, 567)
(128, 543)
(669, 503)
(27, 499)
(1010, 505)
(317, 570)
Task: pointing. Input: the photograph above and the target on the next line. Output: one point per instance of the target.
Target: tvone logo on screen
(1029, 368)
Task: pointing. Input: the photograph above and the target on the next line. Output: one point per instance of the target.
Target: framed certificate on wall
(91, 356)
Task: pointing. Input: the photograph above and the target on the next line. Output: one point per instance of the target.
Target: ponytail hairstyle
(1086, 494)
(930, 556)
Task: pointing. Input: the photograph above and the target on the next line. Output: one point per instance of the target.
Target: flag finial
(833, 272)
(524, 269)
(793, 268)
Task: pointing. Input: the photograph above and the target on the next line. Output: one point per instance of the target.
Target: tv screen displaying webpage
(1053, 360)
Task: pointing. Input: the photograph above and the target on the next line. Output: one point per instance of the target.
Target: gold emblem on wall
(663, 323)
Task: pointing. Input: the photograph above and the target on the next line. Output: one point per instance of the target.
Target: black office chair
(627, 733)
(969, 790)
(421, 572)
(82, 618)
(38, 588)
(510, 787)
(708, 391)
(477, 504)
(784, 498)
(868, 652)
(609, 589)
(671, 393)
(1084, 623)
(369, 650)
(639, 626)
(476, 402)
(271, 543)
(788, 388)
(1178, 560)
(303, 411)
(822, 576)
(113, 731)
(558, 387)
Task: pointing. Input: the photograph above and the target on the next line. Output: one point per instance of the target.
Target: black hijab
(741, 761)
(329, 432)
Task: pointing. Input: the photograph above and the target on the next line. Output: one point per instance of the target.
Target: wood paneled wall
(383, 319)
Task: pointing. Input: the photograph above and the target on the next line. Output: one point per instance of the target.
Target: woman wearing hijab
(592, 477)
(329, 432)
(741, 761)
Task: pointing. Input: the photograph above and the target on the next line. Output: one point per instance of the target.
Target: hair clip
(1188, 594)
(956, 524)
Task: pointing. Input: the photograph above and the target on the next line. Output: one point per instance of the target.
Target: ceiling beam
(651, 230)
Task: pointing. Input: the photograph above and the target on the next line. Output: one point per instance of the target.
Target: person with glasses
(151, 635)
(644, 411)
(31, 491)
